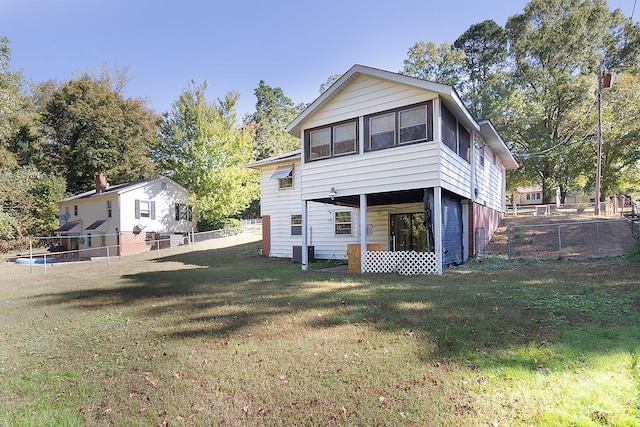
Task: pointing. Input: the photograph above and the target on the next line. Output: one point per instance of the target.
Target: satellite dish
(65, 217)
(138, 229)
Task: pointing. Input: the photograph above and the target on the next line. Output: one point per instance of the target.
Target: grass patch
(226, 337)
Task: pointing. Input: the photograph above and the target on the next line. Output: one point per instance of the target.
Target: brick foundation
(131, 243)
(266, 235)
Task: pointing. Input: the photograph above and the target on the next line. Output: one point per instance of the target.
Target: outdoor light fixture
(332, 193)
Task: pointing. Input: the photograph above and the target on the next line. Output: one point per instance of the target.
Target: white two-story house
(389, 162)
(125, 218)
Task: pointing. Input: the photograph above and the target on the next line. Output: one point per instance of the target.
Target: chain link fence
(581, 239)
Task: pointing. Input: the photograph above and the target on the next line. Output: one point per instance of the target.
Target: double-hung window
(382, 131)
(405, 125)
(183, 212)
(332, 141)
(320, 144)
(145, 209)
(344, 139)
(109, 209)
(413, 125)
(296, 225)
(343, 223)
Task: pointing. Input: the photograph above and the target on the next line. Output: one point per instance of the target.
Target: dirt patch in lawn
(563, 236)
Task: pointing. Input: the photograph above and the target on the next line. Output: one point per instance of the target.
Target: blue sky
(233, 45)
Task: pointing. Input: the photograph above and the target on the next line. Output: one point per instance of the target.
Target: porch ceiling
(378, 199)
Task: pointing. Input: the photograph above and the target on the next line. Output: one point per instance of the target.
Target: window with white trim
(109, 210)
(145, 211)
(296, 225)
(284, 175)
(343, 223)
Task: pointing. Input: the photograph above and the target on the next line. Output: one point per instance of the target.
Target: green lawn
(227, 337)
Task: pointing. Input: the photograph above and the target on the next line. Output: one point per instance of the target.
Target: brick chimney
(101, 182)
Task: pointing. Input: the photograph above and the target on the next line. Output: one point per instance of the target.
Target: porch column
(363, 232)
(305, 248)
(437, 223)
(466, 229)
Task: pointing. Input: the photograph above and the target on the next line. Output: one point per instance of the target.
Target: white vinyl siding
(367, 95)
(489, 179)
(401, 168)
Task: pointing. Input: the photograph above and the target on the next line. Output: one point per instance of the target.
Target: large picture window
(401, 126)
(332, 141)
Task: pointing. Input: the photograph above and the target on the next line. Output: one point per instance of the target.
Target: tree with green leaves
(27, 196)
(274, 111)
(330, 81)
(90, 128)
(557, 46)
(442, 64)
(28, 201)
(621, 136)
(203, 148)
(485, 51)
(11, 104)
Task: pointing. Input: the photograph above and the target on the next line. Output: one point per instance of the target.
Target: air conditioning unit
(297, 254)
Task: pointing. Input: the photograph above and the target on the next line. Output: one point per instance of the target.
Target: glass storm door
(408, 232)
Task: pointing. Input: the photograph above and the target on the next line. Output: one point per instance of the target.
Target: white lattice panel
(407, 263)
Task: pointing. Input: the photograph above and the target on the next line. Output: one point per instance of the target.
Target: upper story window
(109, 210)
(454, 135)
(284, 175)
(145, 209)
(400, 126)
(332, 141)
(183, 212)
(75, 210)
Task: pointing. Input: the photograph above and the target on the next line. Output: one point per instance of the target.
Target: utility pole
(604, 81)
(599, 163)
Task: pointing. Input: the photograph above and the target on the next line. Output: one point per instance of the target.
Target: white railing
(406, 263)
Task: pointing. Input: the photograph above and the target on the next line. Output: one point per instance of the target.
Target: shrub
(221, 224)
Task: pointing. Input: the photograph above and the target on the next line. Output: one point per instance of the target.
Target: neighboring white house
(127, 218)
(524, 196)
(391, 161)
